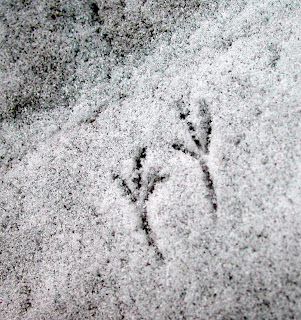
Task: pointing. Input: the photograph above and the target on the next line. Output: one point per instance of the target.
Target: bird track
(139, 186)
(139, 190)
(201, 141)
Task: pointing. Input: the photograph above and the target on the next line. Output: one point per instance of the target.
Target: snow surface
(163, 180)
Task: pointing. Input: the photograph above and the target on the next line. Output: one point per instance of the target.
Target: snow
(107, 200)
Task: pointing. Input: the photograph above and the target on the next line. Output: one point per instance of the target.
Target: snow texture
(150, 159)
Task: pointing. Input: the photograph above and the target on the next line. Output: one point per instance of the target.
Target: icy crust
(173, 193)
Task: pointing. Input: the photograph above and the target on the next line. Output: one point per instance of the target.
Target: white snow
(73, 235)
